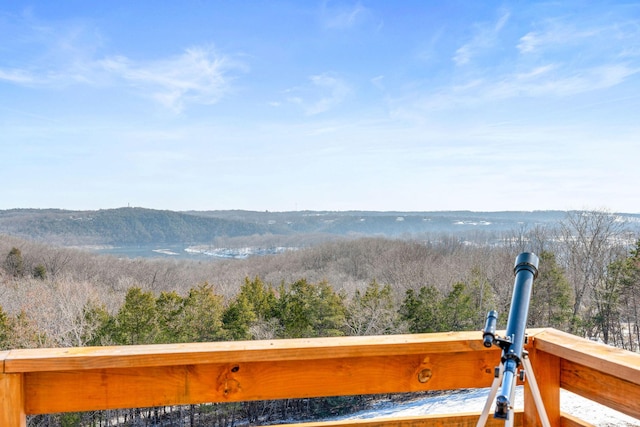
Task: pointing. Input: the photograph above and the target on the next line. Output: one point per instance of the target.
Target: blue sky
(322, 105)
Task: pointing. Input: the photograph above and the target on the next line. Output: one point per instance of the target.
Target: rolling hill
(140, 226)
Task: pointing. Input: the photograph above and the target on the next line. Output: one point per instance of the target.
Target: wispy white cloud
(378, 82)
(529, 42)
(484, 38)
(57, 55)
(346, 16)
(47, 54)
(47, 75)
(557, 35)
(592, 40)
(540, 82)
(198, 76)
(21, 77)
(325, 92)
(342, 16)
(559, 59)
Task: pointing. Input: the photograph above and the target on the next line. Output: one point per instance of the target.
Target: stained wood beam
(79, 358)
(466, 419)
(620, 363)
(12, 400)
(604, 374)
(110, 388)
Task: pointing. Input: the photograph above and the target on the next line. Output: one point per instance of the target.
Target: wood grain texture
(438, 420)
(58, 391)
(615, 361)
(567, 420)
(435, 420)
(546, 369)
(604, 374)
(604, 388)
(32, 360)
(12, 401)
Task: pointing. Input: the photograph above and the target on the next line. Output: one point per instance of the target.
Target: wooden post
(546, 368)
(604, 374)
(12, 400)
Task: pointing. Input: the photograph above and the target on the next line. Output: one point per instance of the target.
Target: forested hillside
(589, 284)
(126, 226)
(138, 226)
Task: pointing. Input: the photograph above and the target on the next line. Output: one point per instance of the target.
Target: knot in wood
(424, 375)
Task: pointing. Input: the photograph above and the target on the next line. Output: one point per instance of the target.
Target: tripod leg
(511, 418)
(535, 391)
(492, 395)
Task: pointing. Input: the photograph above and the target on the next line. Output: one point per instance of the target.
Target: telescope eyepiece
(502, 408)
(489, 331)
(488, 340)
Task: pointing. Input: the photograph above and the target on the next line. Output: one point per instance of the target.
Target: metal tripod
(533, 385)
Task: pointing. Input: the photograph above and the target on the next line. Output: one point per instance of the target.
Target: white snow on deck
(473, 400)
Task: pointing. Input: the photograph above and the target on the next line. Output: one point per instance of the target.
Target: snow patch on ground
(473, 400)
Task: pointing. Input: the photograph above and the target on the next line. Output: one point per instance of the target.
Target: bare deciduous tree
(591, 240)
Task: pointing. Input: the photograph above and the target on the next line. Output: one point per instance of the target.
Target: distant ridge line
(144, 226)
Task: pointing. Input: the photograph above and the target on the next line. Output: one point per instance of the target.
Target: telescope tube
(525, 270)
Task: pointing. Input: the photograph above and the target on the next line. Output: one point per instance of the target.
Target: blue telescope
(525, 270)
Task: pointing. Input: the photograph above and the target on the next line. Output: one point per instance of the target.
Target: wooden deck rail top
(52, 359)
(37, 381)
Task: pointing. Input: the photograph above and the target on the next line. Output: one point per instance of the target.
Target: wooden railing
(42, 381)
